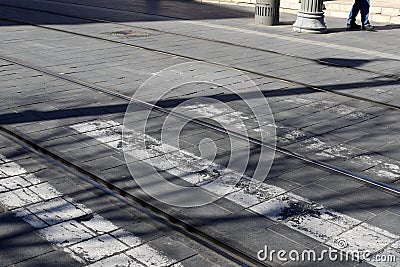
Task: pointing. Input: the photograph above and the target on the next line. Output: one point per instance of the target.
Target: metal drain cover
(128, 34)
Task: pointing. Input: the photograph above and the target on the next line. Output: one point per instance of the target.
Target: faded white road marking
(161, 156)
(18, 198)
(29, 217)
(220, 114)
(55, 211)
(66, 233)
(393, 250)
(149, 256)
(330, 106)
(98, 248)
(57, 218)
(298, 213)
(389, 169)
(366, 237)
(45, 191)
(11, 169)
(13, 183)
(127, 238)
(117, 260)
(99, 225)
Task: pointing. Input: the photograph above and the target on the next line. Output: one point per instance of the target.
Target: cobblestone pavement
(333, 98)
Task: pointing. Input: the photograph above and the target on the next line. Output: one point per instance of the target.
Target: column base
(310, 22)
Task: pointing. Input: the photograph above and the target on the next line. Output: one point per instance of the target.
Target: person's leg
(353, 13)
(364, 8)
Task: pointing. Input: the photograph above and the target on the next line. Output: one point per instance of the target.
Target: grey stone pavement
(300, 206)
(52, 218)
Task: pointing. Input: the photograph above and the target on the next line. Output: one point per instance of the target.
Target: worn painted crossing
(59, 220)
(305, 216)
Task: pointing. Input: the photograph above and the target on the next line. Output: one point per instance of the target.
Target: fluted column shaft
(311, 6)
(310, 17)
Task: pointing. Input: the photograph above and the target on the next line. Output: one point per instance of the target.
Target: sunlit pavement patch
(296, 212)
(57, 218)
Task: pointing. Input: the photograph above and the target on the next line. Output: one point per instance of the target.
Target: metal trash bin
(267, 12)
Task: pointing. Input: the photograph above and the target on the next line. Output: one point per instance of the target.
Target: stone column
(310, 17)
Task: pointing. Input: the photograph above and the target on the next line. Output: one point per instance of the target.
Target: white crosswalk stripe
(298, 213)
(56, 218)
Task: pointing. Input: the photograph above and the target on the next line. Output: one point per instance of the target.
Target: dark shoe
(353, 27)
(368, 27)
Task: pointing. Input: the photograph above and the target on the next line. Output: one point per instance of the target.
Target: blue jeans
(359, 5)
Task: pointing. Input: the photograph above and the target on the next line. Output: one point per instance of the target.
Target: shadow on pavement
(351, 62)
(33, 115)
(387, 27)
(51, 12)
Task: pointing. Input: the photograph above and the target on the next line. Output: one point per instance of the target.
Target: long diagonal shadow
(34, 115)
(121, 11)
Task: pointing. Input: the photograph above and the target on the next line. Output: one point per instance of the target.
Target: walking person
(363, 7)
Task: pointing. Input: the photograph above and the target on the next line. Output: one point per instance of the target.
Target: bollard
(267, 12)
(310, 17)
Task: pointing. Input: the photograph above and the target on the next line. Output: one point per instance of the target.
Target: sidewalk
(381, 10)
